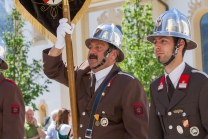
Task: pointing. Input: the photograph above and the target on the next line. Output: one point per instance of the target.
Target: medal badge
(194, 131)
(185, 123)
(97, 122)
(179, 129)
(104, 120)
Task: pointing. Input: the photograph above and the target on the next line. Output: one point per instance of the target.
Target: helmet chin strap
(106, 54)
(175, 51)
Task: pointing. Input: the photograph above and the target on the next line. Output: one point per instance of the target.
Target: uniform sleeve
(203, 103)
(135, 110)
(54, 68)
(155, 129)
(13, 114)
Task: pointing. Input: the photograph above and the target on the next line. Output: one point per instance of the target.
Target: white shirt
(176, 74)
(100, 76)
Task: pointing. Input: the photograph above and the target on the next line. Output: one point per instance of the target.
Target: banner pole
(71, 78)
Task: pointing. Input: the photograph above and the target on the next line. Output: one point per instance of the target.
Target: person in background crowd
(51, 131)
(62, 124)
(33, 130)
(12, 108)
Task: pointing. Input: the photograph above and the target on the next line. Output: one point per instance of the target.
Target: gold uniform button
(169, 113)
(83, 113)
(80, 125)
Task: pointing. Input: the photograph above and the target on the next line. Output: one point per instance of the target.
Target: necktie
(170, 87)
(93, 81)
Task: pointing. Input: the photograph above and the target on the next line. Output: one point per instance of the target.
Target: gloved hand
(61, 31)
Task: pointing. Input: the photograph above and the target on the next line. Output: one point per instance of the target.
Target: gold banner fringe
(40, 27)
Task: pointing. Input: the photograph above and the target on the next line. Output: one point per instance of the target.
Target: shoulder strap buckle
(88, 133)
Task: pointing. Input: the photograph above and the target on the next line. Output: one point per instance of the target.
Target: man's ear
(182, 44)
(114, 54)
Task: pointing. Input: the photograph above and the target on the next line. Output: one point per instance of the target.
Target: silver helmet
(108, 33)
(3, 64)
(173, 23)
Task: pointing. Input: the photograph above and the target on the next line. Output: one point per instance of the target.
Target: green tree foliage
(28, 77)
(139, 60)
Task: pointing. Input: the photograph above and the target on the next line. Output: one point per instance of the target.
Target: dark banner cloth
(46, 13)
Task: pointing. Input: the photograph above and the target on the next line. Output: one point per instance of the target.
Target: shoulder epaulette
(11, 81)
(120, 72)
(198, 71)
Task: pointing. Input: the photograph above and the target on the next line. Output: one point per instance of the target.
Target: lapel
(180, 93)
(87, 81)
(86, 76)
(90, 104)
(162, 95)
(108, 87)
(1, 77)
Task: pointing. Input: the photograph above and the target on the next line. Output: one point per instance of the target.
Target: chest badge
(178, 111)
(194, 131)
(179, 129)
(185, 123)
(104, 119)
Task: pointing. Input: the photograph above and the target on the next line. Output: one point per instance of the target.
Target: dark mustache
(92, 56)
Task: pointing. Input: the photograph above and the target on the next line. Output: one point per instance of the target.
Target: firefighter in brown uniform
(179, 98)
(12, 108)
(122, 111)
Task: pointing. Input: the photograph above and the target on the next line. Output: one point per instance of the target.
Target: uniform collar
(176, 73)
(102, 73)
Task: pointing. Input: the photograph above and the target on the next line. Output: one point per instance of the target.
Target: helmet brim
(3, 65)
(121, 54)
(190, 44)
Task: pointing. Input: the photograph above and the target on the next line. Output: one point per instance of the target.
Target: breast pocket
(186, 116)
(185, 111)
(106, 112)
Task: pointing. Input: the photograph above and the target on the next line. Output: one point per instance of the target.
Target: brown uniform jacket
(188, 108)
(125, 102)
(12, 110)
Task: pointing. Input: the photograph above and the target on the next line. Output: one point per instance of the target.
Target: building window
(204, 41)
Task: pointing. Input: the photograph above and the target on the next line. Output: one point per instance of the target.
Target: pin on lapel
(183, 82)
(161, 84)
(110, 83)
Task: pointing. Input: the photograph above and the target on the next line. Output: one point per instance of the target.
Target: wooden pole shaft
(71, 78)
